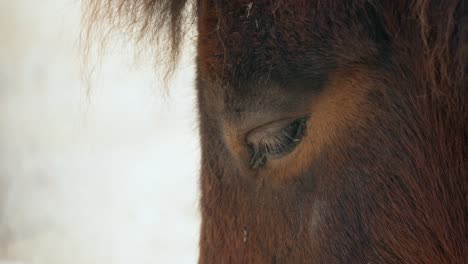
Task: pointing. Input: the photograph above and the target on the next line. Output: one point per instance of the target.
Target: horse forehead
(263, 21)
(253, 36)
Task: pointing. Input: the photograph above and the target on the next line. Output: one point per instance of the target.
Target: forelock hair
(158, 26)
(437, 28)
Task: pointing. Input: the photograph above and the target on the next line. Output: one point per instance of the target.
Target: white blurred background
(109, 177)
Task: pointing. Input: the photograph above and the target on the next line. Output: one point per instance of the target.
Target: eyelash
(277, 144)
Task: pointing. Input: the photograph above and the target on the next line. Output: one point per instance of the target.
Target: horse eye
(274, 140)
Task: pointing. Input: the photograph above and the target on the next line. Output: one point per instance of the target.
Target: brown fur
(381, 174)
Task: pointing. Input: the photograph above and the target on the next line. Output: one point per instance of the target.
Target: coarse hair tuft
(158, 26)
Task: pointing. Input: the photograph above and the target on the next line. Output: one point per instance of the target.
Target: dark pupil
(276, 142)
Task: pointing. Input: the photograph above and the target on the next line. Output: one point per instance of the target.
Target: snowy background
(109, 177)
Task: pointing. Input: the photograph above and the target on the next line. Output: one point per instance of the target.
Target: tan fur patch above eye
(340, 105)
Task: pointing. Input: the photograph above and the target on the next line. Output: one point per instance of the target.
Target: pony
(331, 131)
